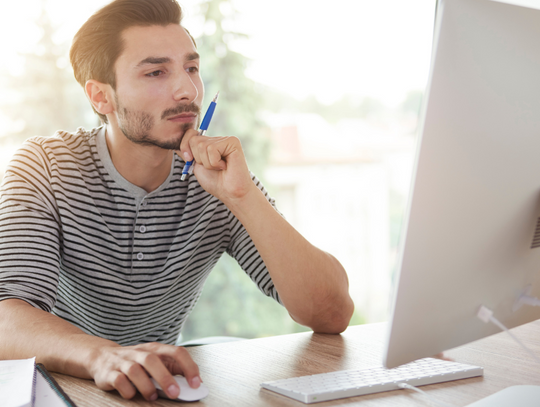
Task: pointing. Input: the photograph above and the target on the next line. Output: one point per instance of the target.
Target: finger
(176, 359)
(179, 361)
(215, 157)
(191, 150)
(155, 368)
(117, 380)
(210, 154)
(138, 376)
(185, 148)
(199, 147)
(189, 368)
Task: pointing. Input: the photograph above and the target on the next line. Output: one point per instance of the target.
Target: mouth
(183, 118)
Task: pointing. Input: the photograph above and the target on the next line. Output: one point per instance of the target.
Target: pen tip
(215, 97)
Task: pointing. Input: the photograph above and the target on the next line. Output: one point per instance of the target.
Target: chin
(173, 143)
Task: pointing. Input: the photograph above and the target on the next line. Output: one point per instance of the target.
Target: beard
(137, 125)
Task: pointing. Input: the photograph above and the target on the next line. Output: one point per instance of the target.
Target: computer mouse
(186, 393)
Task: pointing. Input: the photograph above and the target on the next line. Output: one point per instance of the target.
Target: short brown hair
(98, 43)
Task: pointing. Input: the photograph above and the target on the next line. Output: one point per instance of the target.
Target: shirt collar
(104, 155)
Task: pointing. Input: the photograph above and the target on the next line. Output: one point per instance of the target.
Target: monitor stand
(522, 396)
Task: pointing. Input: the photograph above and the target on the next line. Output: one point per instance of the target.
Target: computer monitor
(472, 232)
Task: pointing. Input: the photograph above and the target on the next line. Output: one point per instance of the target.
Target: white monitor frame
(475, 199)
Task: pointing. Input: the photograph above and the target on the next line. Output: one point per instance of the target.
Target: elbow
(328, 307)
(335, 319)
(337, 308)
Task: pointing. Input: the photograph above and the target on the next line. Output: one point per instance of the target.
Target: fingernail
(195, 382)
(153, 397)
(186, 156)
(173, 391)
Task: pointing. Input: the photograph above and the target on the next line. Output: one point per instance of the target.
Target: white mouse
(186, 392)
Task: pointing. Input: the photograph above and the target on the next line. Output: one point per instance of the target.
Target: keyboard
(358, 382)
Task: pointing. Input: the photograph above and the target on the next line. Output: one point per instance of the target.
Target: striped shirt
(80, 241)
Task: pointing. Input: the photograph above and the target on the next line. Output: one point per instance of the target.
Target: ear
(100, 95)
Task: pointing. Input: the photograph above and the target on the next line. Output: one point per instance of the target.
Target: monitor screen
(472, 232)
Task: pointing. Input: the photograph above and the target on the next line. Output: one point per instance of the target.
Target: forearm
(312, 284)
(26, 332)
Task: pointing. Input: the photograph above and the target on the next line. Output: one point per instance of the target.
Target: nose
(185, 89)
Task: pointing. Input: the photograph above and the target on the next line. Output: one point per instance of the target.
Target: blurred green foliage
(232, 305)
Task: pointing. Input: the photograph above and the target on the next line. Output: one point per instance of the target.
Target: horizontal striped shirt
(80, 241)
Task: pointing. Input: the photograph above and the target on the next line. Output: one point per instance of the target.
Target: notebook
(25, 384)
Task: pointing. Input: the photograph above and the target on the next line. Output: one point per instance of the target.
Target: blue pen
(188, 166)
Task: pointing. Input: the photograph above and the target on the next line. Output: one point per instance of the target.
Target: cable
(486, 315)
(527, 299)
(432, 399)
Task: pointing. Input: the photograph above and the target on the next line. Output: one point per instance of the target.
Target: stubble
(137, 125)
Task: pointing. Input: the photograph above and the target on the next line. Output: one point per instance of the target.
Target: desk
(234, 370)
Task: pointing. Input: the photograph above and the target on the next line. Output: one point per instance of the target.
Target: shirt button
(140, 256)
(144, 203)
(142, 229)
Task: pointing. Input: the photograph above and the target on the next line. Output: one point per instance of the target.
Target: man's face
(159, 90)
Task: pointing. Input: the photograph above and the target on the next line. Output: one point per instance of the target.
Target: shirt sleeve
(29, 230)
(246, 254)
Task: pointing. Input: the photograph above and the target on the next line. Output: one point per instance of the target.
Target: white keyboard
(357, 382)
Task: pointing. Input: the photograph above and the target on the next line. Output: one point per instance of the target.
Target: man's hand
(127, 369)
(62, 347)
(221, 165)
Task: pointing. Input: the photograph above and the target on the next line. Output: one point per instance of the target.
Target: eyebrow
(163, 60)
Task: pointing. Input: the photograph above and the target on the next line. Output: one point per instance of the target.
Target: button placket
(141, 229)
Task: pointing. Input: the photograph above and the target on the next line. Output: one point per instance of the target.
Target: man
(104, 250)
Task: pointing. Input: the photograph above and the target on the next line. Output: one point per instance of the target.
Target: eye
(154, 74)
(193, 69)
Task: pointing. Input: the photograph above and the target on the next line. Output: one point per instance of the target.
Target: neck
(144, 166)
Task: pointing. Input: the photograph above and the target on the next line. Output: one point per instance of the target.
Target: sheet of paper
(16, 382)
(45, 395)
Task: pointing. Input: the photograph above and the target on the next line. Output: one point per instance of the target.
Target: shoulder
(63, 141)
(39, 156)
(62, 144)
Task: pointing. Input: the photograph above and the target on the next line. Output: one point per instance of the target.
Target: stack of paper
(17, 378)
(25, 384)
